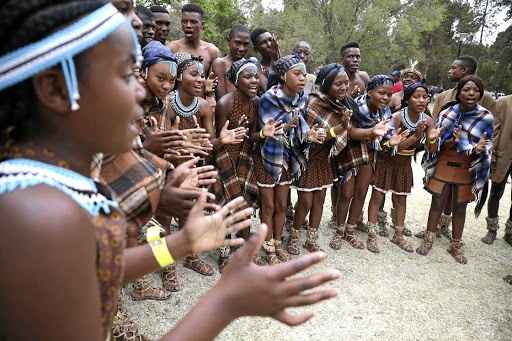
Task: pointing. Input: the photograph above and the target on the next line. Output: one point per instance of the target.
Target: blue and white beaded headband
(61, 47)
(251, 65)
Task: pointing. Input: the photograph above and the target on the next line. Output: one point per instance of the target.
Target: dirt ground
(393, 295)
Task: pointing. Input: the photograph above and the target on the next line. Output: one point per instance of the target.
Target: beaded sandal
(371, 243)
(293, 244)
(402, 243)
(311, 240)
(123, 329)
(426, 245)
(454, 250)
(338, 236)
(142, 291)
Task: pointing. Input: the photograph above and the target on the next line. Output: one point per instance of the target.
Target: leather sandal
(194, 263)
(426, 245)
(271, 258)
(258, 260)
(293, 243)
(222, 262)
(338, 236)
(489, 238)
(371, 243)
(402, 243)
(311, 240)
(123, 329)
(150, 293)
(142, 291)
(454, 250)
(280, 253)
(169, 278)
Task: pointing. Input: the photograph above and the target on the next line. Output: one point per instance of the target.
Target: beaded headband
(61, 47)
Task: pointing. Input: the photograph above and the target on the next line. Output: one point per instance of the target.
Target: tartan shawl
(369, 119)
(474, 123)
(326, 113)
(236, 176)
(289, 150)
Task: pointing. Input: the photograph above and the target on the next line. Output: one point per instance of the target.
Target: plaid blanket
(369, 119)
(323, 111)
(474, 124)
(236, 171)
(289, 150)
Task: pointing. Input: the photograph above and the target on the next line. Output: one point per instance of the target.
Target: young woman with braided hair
(56, 111)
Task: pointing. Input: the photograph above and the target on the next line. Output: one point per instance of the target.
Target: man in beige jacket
(500, 169)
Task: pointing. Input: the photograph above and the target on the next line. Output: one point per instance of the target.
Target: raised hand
(456, 134)
(420, 129)
(398, 136)
(162, 142)
(346, 122)
(381, 128)
(275, 52)
(232, 136)
(267, 291)
(316, 134)
(272, 129)
(210, 83)
(291, 124)
(436, 132)
(482, 143)
(208, 232)
(355, 92)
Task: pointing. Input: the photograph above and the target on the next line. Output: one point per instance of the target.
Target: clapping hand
(482, 143)
(316, 134)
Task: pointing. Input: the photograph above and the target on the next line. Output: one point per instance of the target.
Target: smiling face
(409, 78)
(351, 59)
(247, 82)
(469, 96)
(158, 80)
(163, 23)
(238, 45)
(106, 121)
(191, 81)
(418, 101)
(294, 81)
(148, 30)
(380, 96)
(339, 87)
(192, 23)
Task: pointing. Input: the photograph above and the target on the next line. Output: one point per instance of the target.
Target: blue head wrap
(378, 81)
(155, 52)
(240, 65)
(60, 48)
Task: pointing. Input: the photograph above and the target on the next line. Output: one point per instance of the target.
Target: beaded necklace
(406, 120)
(183, 110)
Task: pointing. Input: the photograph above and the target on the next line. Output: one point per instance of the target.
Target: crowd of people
(124, 150)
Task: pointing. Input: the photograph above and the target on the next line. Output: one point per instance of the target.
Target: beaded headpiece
(60, 48)
(239, 66)
(155, 52)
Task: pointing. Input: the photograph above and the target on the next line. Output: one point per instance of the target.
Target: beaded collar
(19, 174)
(182, 110)
(406, 120)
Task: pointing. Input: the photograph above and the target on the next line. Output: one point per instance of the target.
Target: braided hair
(25, 22)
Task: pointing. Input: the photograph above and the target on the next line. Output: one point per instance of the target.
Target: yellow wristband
(161, 252)
(152, 233)
(432, 141)
(333, 134)
(387, 144)
(261, 134)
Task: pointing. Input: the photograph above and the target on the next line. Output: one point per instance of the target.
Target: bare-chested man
(238, 40)
(350, 58)
(192, 23)
(265, 44)
(162, 21)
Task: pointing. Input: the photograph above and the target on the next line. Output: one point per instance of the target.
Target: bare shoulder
(364, 76)
(176, 45)
(43, 213)
(225, 101)
(212, 50)
(204, 109)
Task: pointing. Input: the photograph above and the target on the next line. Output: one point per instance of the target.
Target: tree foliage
(391, 32)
